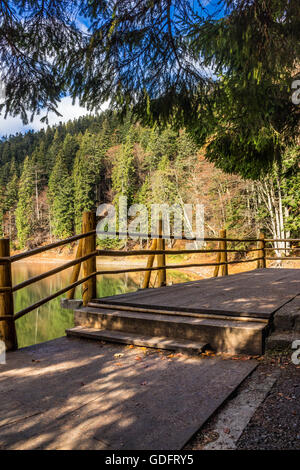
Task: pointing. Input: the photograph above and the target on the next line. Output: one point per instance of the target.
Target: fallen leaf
(118, 355)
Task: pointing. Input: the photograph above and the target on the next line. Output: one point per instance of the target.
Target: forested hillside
(48, 178)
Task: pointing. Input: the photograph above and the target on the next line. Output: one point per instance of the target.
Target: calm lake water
(50, 320)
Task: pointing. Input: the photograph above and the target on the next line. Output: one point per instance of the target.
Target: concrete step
(281, 340)
(187, 347)
(228, 336)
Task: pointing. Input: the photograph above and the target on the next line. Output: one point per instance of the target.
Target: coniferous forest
(48, 178)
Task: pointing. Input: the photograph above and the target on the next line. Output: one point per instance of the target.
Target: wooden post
(216, 270)
(223, 257)
(161, 259)
(7, 327)
(150, 262)
(75, 272)
(89, 266)
(261, 245)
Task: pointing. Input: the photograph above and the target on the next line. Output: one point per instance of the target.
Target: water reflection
(50, 320)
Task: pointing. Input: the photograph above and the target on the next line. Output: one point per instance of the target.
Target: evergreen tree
(24, 211)
(70, 147)
(12, 187)
(123, 183)
(87, 174)
(61, 199)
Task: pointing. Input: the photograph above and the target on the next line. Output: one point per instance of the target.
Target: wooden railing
(86, 257)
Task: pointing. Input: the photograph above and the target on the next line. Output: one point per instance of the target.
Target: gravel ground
(276, 423)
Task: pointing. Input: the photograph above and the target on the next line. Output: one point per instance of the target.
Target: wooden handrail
(172, 237)
(167, 252)
(174, 266)
(282, 239)
(271, 248)
(34, 279)
(41, 249)
(43, 301)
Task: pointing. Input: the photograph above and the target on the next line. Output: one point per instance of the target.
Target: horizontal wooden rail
(282, 240)
(52, 272)
(41, 249)
(166, 252)
(284, 258)
(173, 266)
(291, 248)
(172, 237)
(23, 312)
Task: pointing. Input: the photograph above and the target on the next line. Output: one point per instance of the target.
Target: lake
(51, 320)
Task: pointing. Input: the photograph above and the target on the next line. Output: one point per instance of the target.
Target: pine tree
(24, 210)
(123, 183)
(87, 174)
(12, 187)
(70, 147)
(61, 199)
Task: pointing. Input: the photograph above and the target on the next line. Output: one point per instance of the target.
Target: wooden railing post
(150, 262)
(7, 327)
(216, 270)
(89, 266)
(75, 271)
(161, 259)
(261, 245)
(223, 257)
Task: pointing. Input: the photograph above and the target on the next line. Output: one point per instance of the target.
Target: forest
(48, 178)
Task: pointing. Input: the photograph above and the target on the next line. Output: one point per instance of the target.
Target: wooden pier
(230, 314)
(73, 393)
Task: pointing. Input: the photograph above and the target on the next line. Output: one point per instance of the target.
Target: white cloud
(69, 111)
